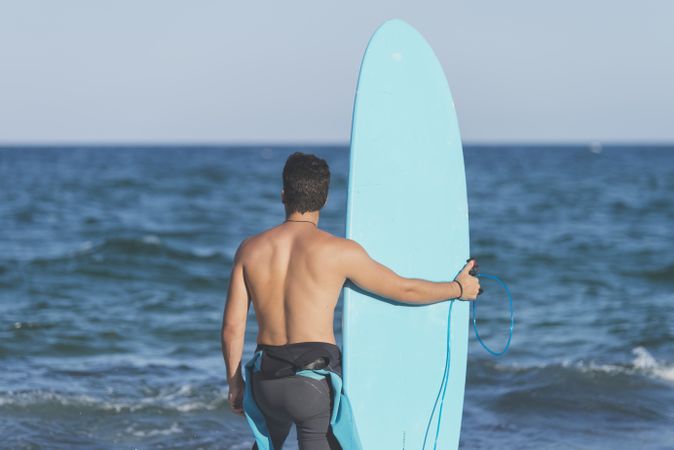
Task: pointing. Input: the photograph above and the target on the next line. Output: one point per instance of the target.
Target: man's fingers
(235, 404)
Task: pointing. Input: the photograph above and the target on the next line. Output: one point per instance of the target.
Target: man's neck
(309, 216)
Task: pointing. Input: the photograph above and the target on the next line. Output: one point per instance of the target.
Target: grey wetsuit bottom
(304, 401)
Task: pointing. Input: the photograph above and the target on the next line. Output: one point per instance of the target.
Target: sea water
(114, 266)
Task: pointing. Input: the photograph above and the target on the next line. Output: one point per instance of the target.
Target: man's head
(306, 179)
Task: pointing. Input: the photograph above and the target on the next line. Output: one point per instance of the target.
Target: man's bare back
(293, 276)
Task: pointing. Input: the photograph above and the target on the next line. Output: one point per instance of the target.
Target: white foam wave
(643, 360)
(174, 428)
(151, 239)
(183, 398)
(643, 364)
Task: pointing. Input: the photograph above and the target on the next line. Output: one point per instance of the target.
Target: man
(293, 273)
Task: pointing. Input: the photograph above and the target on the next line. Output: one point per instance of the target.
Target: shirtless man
(293, 274)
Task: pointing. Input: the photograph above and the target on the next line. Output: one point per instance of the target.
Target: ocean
(114, 265)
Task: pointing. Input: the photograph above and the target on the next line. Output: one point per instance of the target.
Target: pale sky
(274, 71)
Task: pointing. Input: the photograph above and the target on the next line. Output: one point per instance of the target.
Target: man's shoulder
(259, 238)
(248, 246)
(249, 243)
(340, 244)
(345, 243)
(255, 241)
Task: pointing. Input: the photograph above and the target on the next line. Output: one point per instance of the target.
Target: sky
(271, 71)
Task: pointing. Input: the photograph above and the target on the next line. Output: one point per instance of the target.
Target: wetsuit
(298, 383)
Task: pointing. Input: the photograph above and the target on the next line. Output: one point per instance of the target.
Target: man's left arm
(233, 331)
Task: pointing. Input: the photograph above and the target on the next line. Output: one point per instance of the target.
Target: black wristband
(461, 287)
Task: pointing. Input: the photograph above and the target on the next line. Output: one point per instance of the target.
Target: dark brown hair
(306, 179)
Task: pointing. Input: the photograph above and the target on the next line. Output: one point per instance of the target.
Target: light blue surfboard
(407, 206)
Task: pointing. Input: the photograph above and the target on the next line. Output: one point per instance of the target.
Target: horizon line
(323, 144)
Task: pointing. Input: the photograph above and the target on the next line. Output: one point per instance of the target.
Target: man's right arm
(372, 276)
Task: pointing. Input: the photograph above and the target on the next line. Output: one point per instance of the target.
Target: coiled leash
(512, 316)
(474, 271)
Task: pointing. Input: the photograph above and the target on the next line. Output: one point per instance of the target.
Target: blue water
(114, 266)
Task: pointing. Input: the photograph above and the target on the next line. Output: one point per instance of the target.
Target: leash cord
(445, 376)
(512, 317)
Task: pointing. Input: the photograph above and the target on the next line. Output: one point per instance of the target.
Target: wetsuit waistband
(287, 359)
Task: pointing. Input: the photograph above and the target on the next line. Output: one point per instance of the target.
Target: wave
(134, 430)
(643, 364)
(177, 399)
(146, 245)
(190, 397)
(640, 390)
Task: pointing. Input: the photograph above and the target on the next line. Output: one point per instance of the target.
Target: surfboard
(407, 206)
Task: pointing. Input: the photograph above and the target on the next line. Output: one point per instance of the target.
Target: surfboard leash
(445, 376)
(512, 317)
